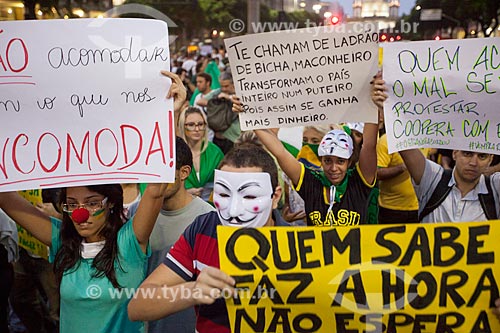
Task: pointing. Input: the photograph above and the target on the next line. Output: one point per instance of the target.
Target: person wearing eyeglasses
(206, 155)
(97, 258)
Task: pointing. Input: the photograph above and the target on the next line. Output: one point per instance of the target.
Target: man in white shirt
(467, 182)
(203, 83)
(189, 65)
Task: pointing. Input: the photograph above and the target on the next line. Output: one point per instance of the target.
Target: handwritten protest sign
(443, 94)
(400, 278)
(308, 76)
(83, 102)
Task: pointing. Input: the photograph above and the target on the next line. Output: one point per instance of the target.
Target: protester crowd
(166, 240)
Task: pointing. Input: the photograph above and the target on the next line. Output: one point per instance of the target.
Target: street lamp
(418, 7)
(316, 8)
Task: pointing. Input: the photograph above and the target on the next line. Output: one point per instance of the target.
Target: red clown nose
(80, 215)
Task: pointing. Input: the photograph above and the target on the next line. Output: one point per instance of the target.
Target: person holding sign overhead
(97, 258)
(246, 193)
(459, 195)
(462, 194)
(337, 195)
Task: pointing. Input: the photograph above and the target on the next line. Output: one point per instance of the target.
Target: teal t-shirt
(90, 304)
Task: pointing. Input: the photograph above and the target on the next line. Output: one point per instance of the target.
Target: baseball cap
(356, 126)
(336, 143)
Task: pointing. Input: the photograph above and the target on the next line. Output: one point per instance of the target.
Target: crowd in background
(338, 167)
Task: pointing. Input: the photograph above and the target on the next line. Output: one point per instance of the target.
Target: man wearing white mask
(246, 191)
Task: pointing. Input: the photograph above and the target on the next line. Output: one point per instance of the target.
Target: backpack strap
(488, 201)
(440, 193)
(442, 190)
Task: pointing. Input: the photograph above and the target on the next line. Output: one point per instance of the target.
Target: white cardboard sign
(443, 94)
(83, 102)
(306, 76)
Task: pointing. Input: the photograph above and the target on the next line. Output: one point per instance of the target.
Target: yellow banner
(26, 239)
(399, 278)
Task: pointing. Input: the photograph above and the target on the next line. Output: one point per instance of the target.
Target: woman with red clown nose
(97, 258)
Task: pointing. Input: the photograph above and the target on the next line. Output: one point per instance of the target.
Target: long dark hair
(68, 255)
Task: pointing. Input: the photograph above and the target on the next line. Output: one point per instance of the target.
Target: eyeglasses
(192, 126)
(90, 206)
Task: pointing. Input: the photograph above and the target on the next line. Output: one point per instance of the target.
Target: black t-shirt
(352, 209)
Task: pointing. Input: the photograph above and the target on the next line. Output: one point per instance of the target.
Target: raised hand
(378, 92)
(177, 90)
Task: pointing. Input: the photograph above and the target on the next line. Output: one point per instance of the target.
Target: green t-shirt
(90, 304)
(209, 161)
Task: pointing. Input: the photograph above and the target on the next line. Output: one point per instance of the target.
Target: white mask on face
(243, 199)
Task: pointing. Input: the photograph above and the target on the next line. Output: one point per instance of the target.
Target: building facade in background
(385, 12)
(375, 8)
